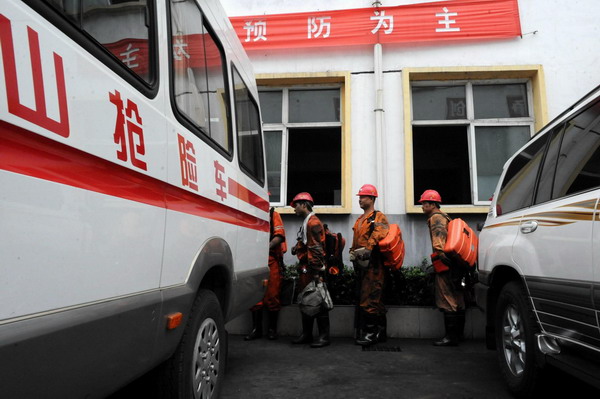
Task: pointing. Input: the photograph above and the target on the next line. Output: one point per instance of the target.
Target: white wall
(565, 43)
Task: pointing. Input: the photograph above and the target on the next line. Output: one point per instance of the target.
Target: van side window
(198, 73)
(516, 191)
(578, 166)
(250, 147)
(121, 27)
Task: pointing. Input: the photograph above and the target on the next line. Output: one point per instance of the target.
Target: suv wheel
(515, 340)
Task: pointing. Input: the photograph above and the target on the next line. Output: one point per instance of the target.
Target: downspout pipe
(379, 125)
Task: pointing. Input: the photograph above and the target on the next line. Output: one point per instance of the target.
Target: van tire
(515, 340)
(196, 369)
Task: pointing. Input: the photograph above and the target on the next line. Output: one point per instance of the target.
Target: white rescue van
(133, 204)
(539, 254)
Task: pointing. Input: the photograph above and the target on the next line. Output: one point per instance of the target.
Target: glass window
(441, 160)
(273, 141)
(493, 146)
(518, 185)
(271, 103)
(303, 142)
(315, 164)
(439, 102)
(248, 130)
(546, 180)
(500, 101)
(122, 29)
(198, 73)
(578, 165)
(314, 105)
(459, 150)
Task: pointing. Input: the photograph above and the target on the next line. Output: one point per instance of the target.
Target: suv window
(578, 165)
(517, 188)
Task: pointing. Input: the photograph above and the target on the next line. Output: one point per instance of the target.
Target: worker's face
(428, 207)
(365, 201)
(300, 209)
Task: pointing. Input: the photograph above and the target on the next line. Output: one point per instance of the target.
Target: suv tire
(515, 340)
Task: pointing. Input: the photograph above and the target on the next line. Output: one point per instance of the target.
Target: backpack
(391, 246)
(334, 246)
(461, 243)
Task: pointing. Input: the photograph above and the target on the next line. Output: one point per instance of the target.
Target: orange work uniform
(368, 231)
(272, 297)
(310, 250)
(447, 297)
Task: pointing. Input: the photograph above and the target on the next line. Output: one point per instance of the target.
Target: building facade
(409, 113)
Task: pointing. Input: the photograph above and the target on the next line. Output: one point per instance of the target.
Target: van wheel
(197, 368)
(515, 340)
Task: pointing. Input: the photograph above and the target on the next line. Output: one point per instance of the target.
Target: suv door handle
(529, 227)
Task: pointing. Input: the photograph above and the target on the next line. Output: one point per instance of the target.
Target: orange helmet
(368, 189)
(431, 195)
(304, 196)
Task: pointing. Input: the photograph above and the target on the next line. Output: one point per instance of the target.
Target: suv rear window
(518, 185)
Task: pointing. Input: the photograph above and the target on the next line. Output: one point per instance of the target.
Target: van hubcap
(206, 360)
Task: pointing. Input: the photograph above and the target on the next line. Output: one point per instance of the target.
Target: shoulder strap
(443, 214)
(271, 220)
(372, 221)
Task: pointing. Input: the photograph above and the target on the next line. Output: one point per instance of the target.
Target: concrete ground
(277, 369)
(399, 368)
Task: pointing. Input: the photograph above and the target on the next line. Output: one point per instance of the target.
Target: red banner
(452, 20)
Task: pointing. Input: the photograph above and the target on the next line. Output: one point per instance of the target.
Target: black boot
(323, 324)
(256, 326)
(272, 324)
(371, 331)
(307, 326)
(460, 325)
(451, 338)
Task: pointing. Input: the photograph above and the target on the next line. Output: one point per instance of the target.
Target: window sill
(319, 210)
(475, 209)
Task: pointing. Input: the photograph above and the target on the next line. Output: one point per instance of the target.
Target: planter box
(403, 322)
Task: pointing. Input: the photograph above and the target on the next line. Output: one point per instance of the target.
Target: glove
(446, 260)
(366, 255)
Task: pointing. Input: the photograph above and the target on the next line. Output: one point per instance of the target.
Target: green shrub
(411, 286)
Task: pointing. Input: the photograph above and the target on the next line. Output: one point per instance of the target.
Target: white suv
(539, 253)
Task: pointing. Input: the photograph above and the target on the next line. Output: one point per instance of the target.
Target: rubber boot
(371, 331)
(256, 326)
(451, 324)
(272, 324)
(460, 325)
(323, 324)
(307, 326)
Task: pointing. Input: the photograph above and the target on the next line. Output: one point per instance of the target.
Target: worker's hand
(366, 255)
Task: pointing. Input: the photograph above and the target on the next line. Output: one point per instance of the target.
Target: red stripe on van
(241, 192)
(28, 153)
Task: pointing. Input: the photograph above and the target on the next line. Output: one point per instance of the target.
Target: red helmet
(368, 189)
(431, 195)
(304, 196)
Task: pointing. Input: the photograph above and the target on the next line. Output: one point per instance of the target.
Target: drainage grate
(377, 348)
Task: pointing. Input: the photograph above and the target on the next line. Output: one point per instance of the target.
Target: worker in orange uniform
(449, 297)
(310, 250)
(370, 228)
(272, 297)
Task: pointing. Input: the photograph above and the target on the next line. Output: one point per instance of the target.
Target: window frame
(307, 81)
(99, 52)
(179, 115)
(263, 179)
(449, 76)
